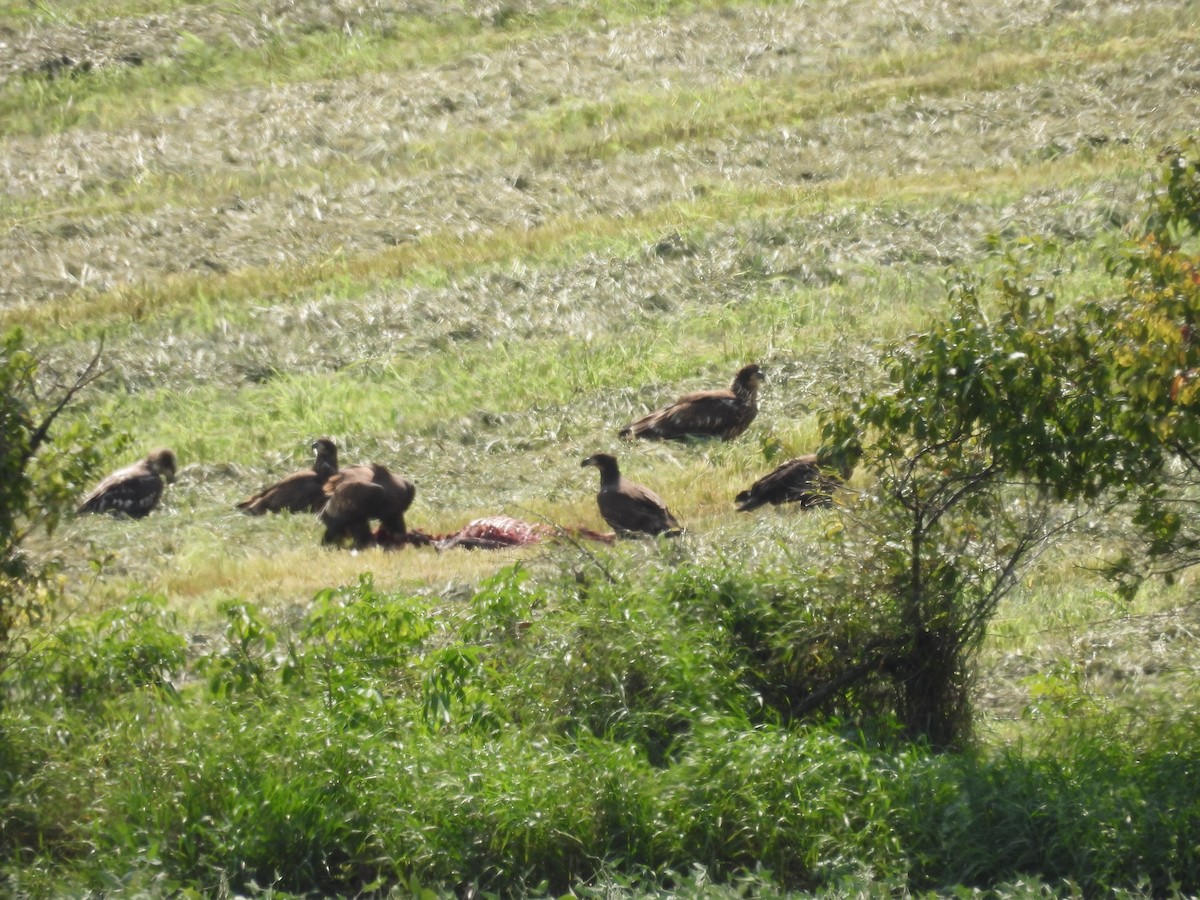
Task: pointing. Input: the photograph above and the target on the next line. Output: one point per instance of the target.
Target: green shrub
(1102, 808)
(297, 784)
(136, 645)
(807, 806)
(358, 648)
(39, 480)
(628, 658)
(244, 662)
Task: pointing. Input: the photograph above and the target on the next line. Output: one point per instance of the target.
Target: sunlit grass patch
(114, 96)
(801, 237)
(335, 168)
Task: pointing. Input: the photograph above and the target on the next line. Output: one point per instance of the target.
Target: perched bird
(724, 413)
(628, 507)
(134, 490)
(801, 480)
(358, 495)
(302, 491)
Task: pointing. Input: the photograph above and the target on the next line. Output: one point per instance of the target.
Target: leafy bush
(244, 663)
(992, 417)
(807, 806)
(359, 647)
(39, 481)
(326, 773)
(85, 663)
(1102, 807)
(635, 659)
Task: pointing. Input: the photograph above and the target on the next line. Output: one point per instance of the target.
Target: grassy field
(471, 246)
(471, 241)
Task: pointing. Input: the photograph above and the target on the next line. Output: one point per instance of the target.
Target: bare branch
(91, 372)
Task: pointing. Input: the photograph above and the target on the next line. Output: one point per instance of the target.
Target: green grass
(517, 349)
(545, 731)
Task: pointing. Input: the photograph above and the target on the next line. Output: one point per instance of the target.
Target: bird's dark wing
(352, 499)
(134, 491)
(701, 414)
(634, 508)
(352, 504)
(299, 492)
(399, 493)
(360, 494)
(795, 481)
(400, 490)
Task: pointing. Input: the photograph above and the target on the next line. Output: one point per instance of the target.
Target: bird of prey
(801, 480)
(628, 507)
(134, 490)
(358, 495)
(719, 413)
(302, 491)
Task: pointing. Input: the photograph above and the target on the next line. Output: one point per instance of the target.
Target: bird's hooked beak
(166, 466)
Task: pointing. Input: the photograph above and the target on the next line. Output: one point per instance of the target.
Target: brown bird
(302, 491)
(801, 480)
(628, 507)
(724, 414)
(134, 490)
(359, 495)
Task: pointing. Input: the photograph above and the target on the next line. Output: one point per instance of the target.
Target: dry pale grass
(573, 126)
(294, 575)
(1059, 652)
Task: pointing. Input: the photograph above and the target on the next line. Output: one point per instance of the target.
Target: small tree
(38, 481)
(994, 427)
(951, 521)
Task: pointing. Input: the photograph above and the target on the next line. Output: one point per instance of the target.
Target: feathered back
(723, 414)
(801, 480)
(302, 491)
(134, 490)
(628, 507)
(358, 495)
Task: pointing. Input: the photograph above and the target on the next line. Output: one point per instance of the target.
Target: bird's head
(325, 449)
(162, 461)
(605, 462)
(750, 376)
(746, 382)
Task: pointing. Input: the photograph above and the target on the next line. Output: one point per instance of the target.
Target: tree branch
(91, 372)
